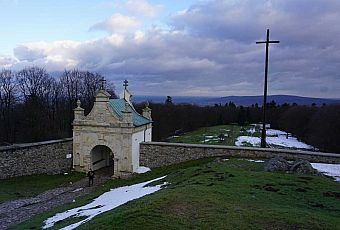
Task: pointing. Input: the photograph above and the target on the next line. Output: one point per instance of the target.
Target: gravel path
(17, 211)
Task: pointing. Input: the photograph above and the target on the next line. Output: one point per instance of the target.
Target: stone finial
(78, 103)
(102, 84)
(147, 111)
(79, 111)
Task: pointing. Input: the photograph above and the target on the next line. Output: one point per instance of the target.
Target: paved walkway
(17, 211)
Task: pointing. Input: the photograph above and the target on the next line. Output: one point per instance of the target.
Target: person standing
(90, 175)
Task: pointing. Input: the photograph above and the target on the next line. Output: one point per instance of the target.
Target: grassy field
(28, 186)
(209, 135)
(208, 194)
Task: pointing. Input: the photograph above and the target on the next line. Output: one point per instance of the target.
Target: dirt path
(17, 211)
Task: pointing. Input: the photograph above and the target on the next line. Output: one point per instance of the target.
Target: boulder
(277, 164)
(303, 166)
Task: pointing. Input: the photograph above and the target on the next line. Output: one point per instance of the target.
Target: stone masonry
(50, 157)
(110, 134)
(157, 154)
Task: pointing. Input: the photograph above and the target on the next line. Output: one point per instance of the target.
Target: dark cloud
(210, 50)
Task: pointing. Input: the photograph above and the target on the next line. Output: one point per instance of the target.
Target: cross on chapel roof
(126, 84)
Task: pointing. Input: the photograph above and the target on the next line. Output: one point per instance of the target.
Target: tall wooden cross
(263, 135)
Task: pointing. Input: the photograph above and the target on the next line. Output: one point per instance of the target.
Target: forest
(36, 106)
(318, 126)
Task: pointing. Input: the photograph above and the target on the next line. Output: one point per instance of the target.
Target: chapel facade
(110, 134)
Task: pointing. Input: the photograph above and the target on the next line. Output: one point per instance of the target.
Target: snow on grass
(332, 170)
(275, 132)
(241, 140)
(142, 169)
(255, 161)
(251, 160)
(105, 202)
(275, 137)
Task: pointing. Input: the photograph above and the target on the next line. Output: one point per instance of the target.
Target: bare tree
(7, 102)
(34, 82)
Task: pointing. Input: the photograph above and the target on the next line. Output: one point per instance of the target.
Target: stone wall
(156, 154)
(50, 157)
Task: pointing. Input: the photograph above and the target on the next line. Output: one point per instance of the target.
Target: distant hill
(279, 99)
(238, 100)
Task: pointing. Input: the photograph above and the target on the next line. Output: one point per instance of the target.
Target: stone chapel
(110, 134)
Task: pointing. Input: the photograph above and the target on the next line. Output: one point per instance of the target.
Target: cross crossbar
(263, 42)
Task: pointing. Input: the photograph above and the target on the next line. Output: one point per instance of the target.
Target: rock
(303, 166)
(277, 164)
(218, 160)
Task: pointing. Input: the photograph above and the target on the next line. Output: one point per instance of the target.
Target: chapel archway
(102, 157)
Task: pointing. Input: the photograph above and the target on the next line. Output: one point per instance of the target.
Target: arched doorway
(102, 157)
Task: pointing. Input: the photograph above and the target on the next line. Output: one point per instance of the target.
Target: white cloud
(7, 62)
(142, 8)
(117, 23)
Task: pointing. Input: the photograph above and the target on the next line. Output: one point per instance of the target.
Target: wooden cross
(263, 135)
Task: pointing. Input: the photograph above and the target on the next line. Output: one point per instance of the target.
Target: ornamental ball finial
(78, 103)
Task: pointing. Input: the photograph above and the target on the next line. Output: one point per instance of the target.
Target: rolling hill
(238, 100)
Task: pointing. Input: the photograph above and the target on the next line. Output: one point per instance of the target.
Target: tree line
(317, 126)
(36, 106)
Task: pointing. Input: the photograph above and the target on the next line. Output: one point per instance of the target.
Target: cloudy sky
(178, 47)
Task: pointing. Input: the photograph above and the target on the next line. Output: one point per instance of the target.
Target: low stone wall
(50, 157)
(156, 154)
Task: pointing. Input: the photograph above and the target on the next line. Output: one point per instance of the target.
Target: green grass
(37, 221)
(29, 186)
(234, 194)
(200, 136)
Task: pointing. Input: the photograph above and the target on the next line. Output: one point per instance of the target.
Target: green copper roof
(118, 105)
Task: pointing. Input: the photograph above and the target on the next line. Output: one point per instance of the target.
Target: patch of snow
(252, 130)
(332, 170)
(256, 161)
(275, 132)
(209, 136)
(254, 141)
(282, 141)
(225, 159)
(105, 202)
(143, 169)
(77, 190)
(291, 142)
